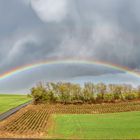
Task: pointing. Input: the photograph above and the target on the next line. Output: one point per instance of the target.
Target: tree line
(69, 93)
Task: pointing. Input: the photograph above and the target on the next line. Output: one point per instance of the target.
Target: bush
(41, 95)
(130, 96)
(109, 97)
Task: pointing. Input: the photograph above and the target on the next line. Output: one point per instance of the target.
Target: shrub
(130, 96)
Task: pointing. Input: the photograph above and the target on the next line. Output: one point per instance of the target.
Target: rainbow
(67, 61)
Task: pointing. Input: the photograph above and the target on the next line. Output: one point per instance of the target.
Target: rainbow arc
(67, 61)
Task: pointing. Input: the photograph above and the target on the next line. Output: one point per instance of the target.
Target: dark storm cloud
(106, 30)
(35, 30)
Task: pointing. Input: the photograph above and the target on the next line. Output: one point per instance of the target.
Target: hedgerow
(69, 93)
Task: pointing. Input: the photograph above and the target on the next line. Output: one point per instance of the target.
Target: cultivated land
(11, 101)
(107, 126)
(75, 121)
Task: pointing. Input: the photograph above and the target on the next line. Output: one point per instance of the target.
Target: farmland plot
(124, 125)
(8, 102)
(34, 120)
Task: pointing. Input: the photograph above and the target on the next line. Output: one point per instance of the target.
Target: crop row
(31, 122)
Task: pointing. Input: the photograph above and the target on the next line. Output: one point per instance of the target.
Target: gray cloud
(35, 30)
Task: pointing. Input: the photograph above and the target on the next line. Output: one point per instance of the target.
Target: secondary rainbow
(50, 62)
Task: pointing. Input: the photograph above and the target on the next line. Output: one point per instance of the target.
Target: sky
(38, 30)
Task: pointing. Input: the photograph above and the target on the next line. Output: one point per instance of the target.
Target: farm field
(98, 126)
(8, 101)
(36, 121)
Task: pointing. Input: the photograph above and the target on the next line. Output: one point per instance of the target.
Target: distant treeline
(69, 93)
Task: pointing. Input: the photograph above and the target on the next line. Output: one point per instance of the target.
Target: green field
(102, 126)
(10, 101)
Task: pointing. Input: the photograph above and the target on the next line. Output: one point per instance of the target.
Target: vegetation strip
(9, 101)
(12, 111)
(69, 93)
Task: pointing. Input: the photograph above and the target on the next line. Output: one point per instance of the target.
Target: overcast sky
(36, 30)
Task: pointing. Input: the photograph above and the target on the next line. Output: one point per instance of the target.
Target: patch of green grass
(11, 101)
(99, 126)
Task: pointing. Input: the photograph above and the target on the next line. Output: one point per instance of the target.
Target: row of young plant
(69, 93)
